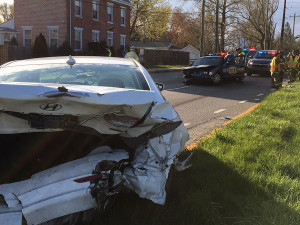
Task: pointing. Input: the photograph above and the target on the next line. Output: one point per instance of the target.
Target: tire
(249, 73)
(216, 79)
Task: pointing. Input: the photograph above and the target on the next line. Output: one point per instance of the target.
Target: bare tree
(255, 24)
(6, 11)
(228, 10)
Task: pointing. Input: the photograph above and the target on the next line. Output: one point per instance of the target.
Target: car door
(234, 66)
(239, 65)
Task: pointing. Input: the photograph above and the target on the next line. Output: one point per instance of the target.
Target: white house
(7, 32)
(194, 53)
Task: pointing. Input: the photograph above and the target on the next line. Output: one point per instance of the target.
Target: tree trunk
(223, 26)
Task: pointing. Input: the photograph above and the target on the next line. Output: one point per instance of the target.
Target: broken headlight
(121, 120)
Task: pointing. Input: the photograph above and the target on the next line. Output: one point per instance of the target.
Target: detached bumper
(53, 193)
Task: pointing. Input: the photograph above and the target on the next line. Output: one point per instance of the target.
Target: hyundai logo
(51, 107)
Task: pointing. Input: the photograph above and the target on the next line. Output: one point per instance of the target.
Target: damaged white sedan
(76, 131)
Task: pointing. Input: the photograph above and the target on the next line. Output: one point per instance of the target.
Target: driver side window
(231, 61)
(240, 60)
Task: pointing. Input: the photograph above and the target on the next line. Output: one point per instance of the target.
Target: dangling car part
(76, 131)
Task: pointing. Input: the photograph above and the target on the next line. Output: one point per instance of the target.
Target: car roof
(78, 59)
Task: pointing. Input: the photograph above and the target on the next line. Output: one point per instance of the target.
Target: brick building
(75, 21)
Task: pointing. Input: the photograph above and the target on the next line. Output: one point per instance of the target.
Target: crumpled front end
(148, 134)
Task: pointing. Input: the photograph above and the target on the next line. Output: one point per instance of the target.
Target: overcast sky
(293, 6)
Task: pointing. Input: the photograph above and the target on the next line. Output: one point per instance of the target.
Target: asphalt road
(205, 107)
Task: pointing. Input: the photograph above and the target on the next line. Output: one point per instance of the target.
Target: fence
(11, 52)
(151, 57)
(165, 57)
(3, 54)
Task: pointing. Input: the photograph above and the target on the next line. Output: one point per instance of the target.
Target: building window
(7, 38)
(78, 8)
(78, 39)
(110, 12)
(27, 37)
(53, 37)
(110, 38)
(95, 10)
(123, 16)
(95, 35)
(123, 41)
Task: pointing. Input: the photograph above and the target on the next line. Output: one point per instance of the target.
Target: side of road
(195, 144)
(164, 70)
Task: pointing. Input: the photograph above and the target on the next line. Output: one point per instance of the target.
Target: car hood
(201, 67)
(261, 61)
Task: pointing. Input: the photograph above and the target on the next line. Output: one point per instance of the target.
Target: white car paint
(53, 193)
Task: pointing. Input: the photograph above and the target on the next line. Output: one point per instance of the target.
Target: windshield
(251, 54)
(208, 61)
(264, 54)
(122, 76)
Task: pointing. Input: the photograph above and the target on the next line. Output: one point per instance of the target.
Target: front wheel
(216, 78)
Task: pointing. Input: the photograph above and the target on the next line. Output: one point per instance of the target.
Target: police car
(260, 63)
(215, 68)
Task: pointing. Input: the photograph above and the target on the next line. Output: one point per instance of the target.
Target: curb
(195, 144)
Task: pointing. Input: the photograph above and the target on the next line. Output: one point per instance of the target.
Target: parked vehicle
(75, 132)
(260, 64)
(215, 69)
(250, 54)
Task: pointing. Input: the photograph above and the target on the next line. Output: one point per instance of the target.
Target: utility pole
(266, 26)
(282, 26)
(294, 25)
(202, 33)
(217, 28)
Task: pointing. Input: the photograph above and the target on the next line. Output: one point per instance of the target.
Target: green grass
(245, 174)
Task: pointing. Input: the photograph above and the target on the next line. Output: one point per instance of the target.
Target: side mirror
(160, 86)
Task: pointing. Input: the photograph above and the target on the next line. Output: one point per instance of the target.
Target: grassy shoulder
(247, 173)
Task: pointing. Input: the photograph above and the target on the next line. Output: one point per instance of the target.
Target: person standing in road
(277, 70)
(132, 54)
(239, 52)
(292, 63)
(240, 56)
